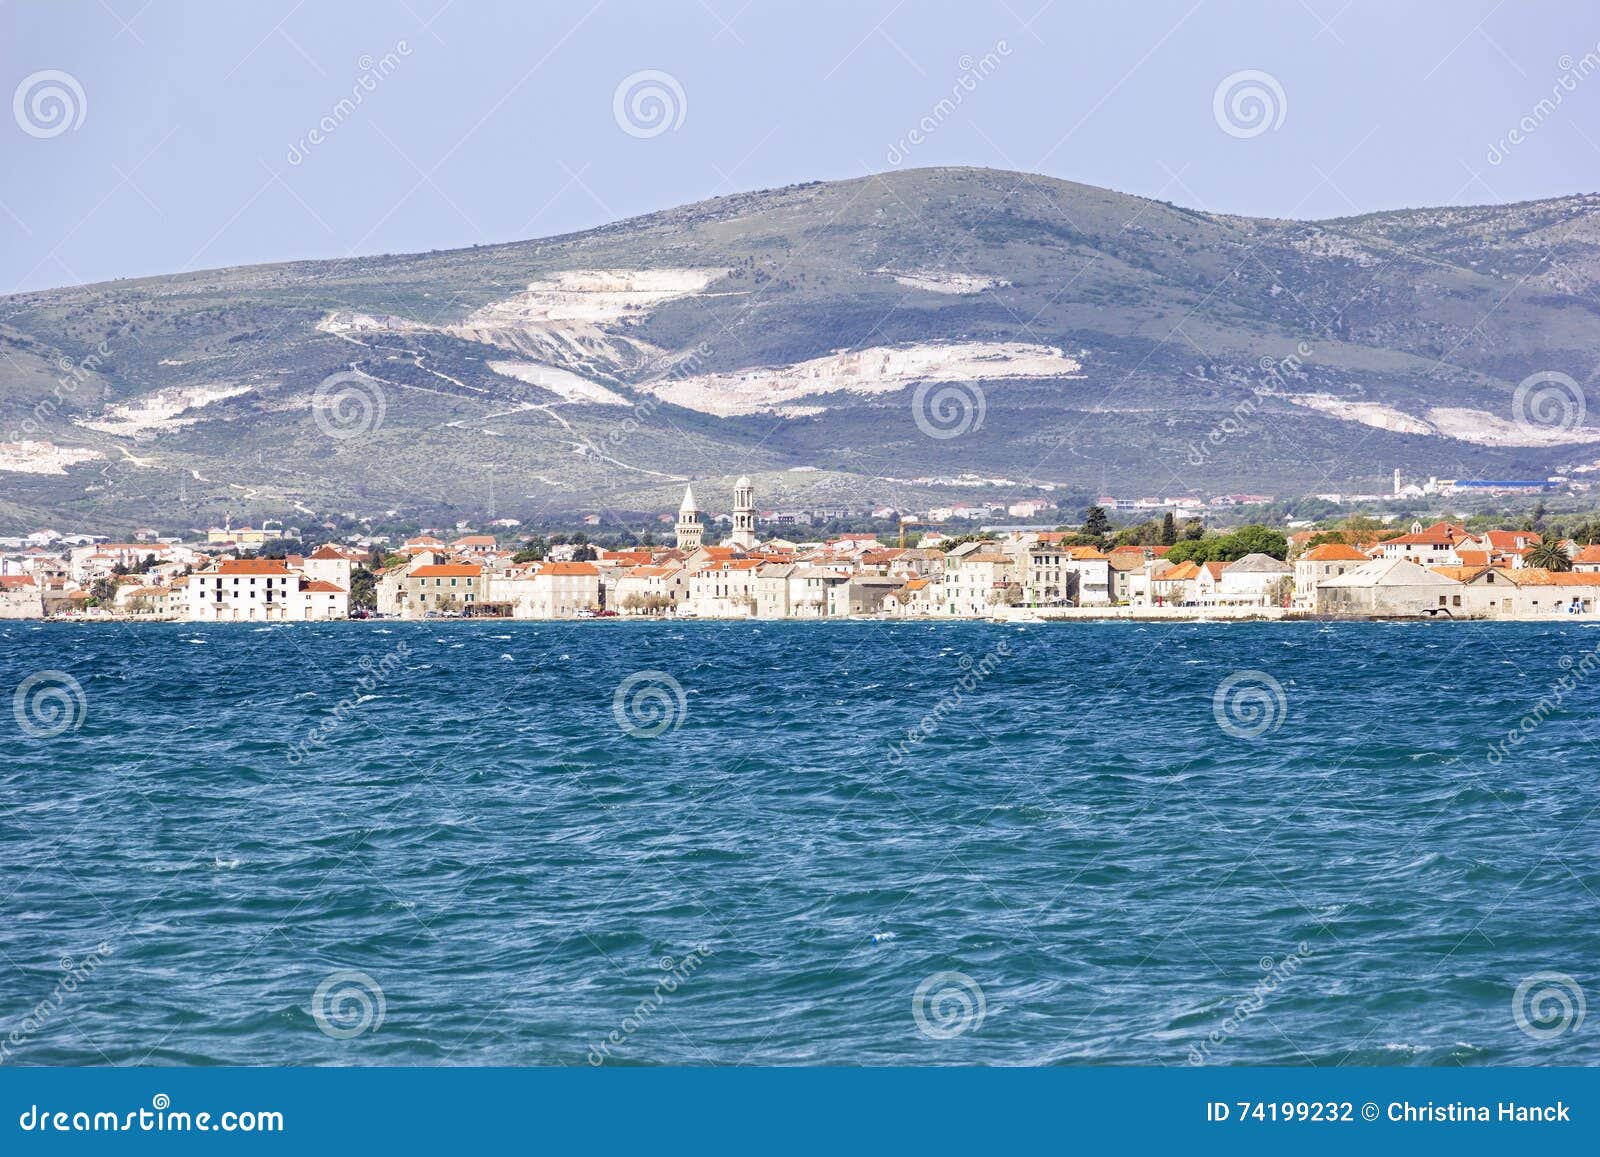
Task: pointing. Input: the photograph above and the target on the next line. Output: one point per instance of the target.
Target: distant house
(242, 590)
(861, 594)
(245, 536)
(1429, 546)
(919, 596)
(21, 597)
(322, 600)
(649, 589)
(423, 543)
(1526, 592)
(157, 602)
(475, 544)
(444, 587)
(1329, 560)
(1392, 587)
(724, 588)
(332, 564)
(564, 589)
(1176, 585)
(1092, 571)
(978, 578)
(1255, 580)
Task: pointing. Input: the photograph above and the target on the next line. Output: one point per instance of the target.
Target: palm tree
(1549, 554)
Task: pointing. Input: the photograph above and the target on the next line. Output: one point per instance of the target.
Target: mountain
(838, 341)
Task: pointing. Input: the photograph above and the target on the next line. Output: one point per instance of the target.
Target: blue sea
(469, 843)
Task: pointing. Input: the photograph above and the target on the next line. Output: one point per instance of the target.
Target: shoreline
(1218, 615)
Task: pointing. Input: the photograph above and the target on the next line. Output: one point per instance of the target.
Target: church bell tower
(690, 527)
(744, 515)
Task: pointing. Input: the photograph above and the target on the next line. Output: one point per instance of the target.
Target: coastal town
(755, 571)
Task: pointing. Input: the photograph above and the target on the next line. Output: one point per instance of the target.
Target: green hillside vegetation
(1171, 313)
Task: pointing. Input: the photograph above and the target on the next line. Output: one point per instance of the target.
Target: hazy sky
(150, 136)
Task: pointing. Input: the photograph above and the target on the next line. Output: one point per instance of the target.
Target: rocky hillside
(837, 341)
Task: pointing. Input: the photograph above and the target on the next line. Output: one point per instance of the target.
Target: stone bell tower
(744, 515)
(690, 527)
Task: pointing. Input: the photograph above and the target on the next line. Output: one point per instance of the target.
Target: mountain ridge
(1393, 339)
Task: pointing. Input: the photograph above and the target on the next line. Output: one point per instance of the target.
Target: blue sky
(185, 141)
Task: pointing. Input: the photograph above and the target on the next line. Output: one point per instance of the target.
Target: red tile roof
(1334, 552)
(270, 566)
(1182, 572)
(1506, 540)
